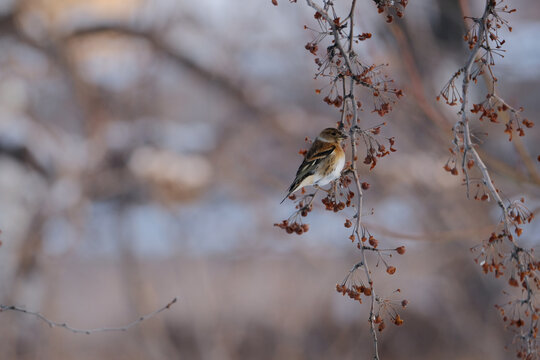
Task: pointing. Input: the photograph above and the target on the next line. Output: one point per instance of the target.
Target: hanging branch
(348, 76)
(501, 253)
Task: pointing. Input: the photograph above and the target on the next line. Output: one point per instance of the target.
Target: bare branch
(86, 331)
(161, 46)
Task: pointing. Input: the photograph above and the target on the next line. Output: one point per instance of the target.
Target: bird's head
(332, 135)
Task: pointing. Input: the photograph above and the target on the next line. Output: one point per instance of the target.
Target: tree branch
(484, 32)
(350, 103)
(86, 331)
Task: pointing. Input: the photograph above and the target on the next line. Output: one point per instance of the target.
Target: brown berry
(367, 291)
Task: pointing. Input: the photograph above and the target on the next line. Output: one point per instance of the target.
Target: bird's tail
(286, 196)
(292, 188)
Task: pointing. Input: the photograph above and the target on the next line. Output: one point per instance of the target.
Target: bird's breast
(331, 168)
(339, 165)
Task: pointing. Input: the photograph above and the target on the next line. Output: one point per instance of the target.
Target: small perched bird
(322, 163)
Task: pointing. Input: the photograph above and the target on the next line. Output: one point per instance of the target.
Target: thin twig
(85, 331)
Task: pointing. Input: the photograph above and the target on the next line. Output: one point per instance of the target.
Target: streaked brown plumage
(322, 163)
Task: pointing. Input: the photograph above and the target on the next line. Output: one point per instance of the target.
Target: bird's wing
(317, 153)
(319, 149)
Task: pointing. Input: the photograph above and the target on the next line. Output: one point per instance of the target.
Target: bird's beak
(343, 135)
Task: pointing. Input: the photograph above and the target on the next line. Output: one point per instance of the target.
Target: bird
(322, 163)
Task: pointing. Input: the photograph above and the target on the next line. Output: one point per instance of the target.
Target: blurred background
(145, 146)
